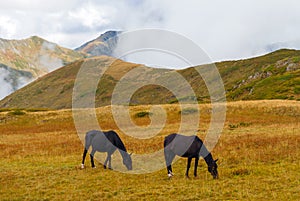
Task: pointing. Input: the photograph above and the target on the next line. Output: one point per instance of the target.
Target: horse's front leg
(196, 166)
(188, 167)
(108, 159)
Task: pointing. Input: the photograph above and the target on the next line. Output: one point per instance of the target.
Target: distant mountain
(272, 76)
(22, 61)
(294, 44)
(35, 55)
(103, 45)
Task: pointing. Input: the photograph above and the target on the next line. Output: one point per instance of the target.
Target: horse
(105, 142)
(188, 147)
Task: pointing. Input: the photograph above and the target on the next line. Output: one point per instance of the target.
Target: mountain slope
(22, 61)
(55, 89)
(103, 45)
(272, 76)
(35, 55)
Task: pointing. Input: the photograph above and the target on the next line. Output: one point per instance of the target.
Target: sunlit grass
(259, 157)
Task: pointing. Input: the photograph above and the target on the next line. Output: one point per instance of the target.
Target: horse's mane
(115, 140)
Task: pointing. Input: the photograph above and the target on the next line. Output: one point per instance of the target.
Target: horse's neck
(208, 159)
(123, 152)
(120, 146)
(206, 155)
(122, 149)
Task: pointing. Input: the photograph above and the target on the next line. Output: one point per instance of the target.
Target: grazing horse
(105, 142)
(188, 147)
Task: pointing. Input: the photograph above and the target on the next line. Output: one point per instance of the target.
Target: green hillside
(272, 76)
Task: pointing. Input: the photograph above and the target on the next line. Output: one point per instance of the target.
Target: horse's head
(213, 169)
(127, 161)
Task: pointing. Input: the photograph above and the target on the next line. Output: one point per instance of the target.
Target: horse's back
(110, 134)
(91, 133)
(89, 137)
(182, 145)
(180, 138)
(98, 140)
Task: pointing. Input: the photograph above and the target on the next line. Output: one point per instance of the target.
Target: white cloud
(46, 60)
(225, 29)
(234, 29)
(8, 26)
(39, 5)
(91, 16)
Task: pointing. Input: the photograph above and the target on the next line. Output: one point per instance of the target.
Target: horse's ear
(130, 154)
(216, 160)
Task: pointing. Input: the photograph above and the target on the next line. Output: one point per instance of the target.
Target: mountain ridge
(272, 76)
(102, 45)
(30, 54)
(38, 57)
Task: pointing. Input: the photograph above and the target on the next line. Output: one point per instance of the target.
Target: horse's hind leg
(92, 158)
(169, 156)
(83, 157)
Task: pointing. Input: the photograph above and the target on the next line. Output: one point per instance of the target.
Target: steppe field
(258, 152)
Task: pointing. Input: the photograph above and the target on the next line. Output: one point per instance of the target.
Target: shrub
(188, 111)
(37, 110)
(142, 114)
(240, 172)
(17, 112)
(233, 126)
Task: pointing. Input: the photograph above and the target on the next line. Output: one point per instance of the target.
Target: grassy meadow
(258, 152)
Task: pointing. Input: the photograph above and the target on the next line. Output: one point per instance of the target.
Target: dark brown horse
(189, 147)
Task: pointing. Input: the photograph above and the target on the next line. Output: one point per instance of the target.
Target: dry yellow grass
(259, 154)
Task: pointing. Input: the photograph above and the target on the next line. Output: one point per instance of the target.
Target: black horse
(188, 147)
(105, 142)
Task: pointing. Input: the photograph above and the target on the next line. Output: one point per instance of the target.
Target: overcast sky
(225, 29)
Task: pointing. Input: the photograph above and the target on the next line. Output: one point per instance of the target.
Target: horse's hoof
(94, 167)
(82, 166)
(187, 177)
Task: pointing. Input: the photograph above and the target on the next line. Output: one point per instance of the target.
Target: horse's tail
(168, 139)
(89, 138)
